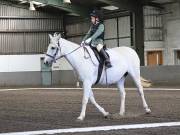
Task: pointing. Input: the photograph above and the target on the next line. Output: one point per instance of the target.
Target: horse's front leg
(86, 93)
(93, 101)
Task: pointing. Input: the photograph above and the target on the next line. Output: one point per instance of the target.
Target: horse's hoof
(148, 111)
(79, 119)
(121, 114)
(106, 115)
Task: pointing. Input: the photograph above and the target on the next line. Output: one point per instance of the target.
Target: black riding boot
(106, 58)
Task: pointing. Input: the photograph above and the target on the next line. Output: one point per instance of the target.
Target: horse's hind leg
(137, 79)
(121, 89)
(93, 101)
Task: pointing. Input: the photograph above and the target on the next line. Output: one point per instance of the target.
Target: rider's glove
(82, 43)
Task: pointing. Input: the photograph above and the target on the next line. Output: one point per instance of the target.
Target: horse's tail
(146, 83)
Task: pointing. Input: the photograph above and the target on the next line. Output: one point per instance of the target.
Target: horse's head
(53, 49)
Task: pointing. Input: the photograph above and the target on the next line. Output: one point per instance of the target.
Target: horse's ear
(59, 35)
(50, 36)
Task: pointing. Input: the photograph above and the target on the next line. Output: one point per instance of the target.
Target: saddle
(101, 62)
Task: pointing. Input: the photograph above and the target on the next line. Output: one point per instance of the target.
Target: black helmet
(97, 13)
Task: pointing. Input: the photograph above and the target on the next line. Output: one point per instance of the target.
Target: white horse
(123, 59)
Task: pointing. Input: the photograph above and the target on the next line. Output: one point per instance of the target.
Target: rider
(95, 36)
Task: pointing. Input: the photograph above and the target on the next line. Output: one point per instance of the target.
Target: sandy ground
(56, 109)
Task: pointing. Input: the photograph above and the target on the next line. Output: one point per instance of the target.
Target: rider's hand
(82, 43)
(88, 41)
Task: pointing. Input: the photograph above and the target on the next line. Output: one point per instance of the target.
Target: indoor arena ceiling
(82, 7)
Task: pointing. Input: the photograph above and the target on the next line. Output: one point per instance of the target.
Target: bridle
(59, 48)
(65, 55)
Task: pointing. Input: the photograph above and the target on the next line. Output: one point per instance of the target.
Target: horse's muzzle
(46, 63)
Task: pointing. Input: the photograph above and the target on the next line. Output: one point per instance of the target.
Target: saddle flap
(101, 64)
(96, 53)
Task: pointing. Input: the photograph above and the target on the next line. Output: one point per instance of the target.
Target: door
(154, 58)
(177, 57)
(46, 73)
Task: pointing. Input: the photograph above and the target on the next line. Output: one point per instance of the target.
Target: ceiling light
(32, 8)
(67, 1)
(22, 1)
(110, 7)
(39, 4)
(73, 14)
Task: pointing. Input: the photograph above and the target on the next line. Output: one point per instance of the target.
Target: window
(117, 32)
(153, 28)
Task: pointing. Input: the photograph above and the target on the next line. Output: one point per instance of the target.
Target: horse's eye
(52, 48)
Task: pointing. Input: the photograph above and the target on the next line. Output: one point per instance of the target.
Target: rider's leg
(104, 55)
